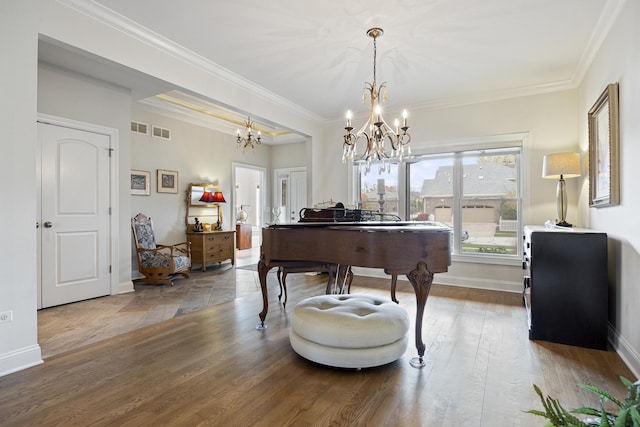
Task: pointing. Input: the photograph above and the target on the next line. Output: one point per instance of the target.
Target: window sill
(488, 259)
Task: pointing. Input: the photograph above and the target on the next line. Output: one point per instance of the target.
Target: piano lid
(372, 226)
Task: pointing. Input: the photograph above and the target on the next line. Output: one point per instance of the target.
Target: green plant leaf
(586, 411)
(621, 419)
(536, 412)
(603, 394)
(629, 415)
(635, 416)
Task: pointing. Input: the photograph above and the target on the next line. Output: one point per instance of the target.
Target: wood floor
(212, 367)
(70, 326)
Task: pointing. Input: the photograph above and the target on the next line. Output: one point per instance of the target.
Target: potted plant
(628, 414)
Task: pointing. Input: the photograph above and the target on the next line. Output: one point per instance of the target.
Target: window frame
(450, 147)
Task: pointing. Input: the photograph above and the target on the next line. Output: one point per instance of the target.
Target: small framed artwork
(167, 181)
(604, 140)
(140, 183)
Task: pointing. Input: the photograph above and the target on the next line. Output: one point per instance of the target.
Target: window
(476, 192)
(379, 191)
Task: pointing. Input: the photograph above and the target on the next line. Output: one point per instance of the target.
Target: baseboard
(626, 352)
(125, 287)
(20, 359)
(451, 280)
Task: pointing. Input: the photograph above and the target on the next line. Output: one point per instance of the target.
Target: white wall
(288, 155)
(618, 61)
(18, 43)
(548, 119)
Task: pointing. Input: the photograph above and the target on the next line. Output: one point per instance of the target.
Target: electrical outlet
(6, 316)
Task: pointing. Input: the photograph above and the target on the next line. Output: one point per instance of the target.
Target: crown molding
(498, 95)
(131, 28)
(610, 14)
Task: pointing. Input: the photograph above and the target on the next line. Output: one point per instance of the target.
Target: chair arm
(160, 250)
(177, 248)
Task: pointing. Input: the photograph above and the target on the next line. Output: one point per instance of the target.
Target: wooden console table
(212, 246)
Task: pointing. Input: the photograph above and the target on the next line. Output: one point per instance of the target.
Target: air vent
(159, 132)
(138, 127)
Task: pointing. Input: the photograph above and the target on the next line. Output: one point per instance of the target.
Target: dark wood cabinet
(212, 246)
(243, 236)
(566, 285)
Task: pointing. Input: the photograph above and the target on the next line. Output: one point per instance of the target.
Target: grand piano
(415, 249)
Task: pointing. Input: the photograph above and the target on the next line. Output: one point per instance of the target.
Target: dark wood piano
(415, 249)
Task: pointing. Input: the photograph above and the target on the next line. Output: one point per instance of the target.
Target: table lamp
(560, 166)
(218, 198)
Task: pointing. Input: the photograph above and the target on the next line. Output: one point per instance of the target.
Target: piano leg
(421, 279)
(280, 281)
(263, 269)
(394, 282)
(340, 278)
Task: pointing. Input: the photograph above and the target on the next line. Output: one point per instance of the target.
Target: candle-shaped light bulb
(397, 123)
(378, 111)
(404, 118)
(348, 118)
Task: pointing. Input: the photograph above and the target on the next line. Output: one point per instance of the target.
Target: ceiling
(317, 55)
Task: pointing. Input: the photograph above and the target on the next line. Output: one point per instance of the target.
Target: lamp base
(563, 224)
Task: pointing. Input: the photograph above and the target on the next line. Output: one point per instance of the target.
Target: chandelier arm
(376, 131)
(363, 129)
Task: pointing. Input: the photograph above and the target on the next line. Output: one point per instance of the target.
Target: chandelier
(248, 140)
(376, 131)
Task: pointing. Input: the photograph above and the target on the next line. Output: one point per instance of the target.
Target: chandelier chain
(375, 55)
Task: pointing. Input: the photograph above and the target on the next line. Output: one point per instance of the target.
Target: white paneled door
(290, 194)
(74, 222)
(298, 193)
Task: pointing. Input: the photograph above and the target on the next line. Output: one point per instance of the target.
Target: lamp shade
(218, 197)
(207, 197)
(566, 165)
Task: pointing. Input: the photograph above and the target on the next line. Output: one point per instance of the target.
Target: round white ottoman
(349, 331)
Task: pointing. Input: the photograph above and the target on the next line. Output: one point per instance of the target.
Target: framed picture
(604, 141)
(167, 181)
(140, 183)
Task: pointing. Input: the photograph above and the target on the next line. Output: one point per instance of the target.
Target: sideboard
(211, 247)
(566, 285)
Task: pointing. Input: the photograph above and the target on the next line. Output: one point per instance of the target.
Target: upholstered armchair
(158, 263)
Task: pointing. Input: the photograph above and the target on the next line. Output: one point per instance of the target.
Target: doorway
(290, 194)
(75, 196)
(250, 189)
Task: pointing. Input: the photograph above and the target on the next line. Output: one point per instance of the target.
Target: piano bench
(349, 331)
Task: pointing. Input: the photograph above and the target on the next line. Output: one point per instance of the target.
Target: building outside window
(476, 192)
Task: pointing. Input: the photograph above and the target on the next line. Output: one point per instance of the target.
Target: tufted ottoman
(349, 331)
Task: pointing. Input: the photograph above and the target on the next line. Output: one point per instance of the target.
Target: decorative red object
(207, 197)
(217, 197)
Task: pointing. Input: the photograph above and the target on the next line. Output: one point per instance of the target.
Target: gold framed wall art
(604, 143)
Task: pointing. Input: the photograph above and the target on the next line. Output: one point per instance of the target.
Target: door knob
(48, 224)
